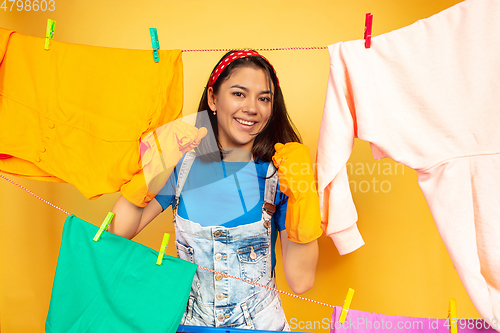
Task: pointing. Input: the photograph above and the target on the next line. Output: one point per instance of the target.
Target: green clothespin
(51, 26)
(155, 42)
(104, 226)
(166, 238)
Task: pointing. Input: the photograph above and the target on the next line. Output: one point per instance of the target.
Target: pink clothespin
(368, 30)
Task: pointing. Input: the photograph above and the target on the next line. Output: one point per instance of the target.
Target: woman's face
(243, 105)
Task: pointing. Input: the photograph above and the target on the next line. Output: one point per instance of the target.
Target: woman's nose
(250, 106)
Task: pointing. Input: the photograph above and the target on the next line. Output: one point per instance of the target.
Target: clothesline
(207, 269)
(261, 49)
(36, 196)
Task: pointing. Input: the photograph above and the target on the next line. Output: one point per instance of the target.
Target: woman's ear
(211, 99)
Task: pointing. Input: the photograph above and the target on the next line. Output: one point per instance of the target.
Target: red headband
(232, 57)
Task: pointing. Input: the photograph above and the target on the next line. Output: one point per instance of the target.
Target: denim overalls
(243, 251)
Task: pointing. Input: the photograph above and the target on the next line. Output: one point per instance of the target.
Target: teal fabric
(114, 285)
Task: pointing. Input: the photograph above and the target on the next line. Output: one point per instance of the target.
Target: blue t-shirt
(223, 193)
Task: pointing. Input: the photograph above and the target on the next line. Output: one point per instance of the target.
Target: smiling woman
(232, 196)
(243, 105)
(248, 83)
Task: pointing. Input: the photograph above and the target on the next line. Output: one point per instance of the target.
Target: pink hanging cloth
(428, 97)
(368, 322)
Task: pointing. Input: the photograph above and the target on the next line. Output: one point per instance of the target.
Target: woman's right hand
(161, 150)
(134, 209)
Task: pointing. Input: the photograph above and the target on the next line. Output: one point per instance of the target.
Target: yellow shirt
(77, 113)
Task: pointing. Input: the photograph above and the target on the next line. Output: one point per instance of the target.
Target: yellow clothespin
(347, 304)
(49, 34)
(166, 238)
(452, 315)
(104, 226)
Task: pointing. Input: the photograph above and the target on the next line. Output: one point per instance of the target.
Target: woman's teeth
(244, 122)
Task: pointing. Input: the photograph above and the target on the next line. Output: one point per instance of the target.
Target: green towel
(114, 285)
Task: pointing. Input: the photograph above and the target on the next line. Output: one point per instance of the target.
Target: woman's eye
(238, 94)
(265, 99)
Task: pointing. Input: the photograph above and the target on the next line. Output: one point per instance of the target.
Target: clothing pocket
(271, 317)
(184, 252)
(253, 261)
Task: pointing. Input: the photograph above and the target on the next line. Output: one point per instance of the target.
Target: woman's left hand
(296, 179)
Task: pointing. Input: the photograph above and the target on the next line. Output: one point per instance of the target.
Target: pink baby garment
(368, 322)
(427, 96)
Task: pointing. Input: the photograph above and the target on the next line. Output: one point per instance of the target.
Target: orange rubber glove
(161, 150)
(296, 179)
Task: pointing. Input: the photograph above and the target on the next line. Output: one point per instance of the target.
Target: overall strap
(269, 208)
(183, 172)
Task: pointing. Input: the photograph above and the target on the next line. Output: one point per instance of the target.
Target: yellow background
(403, 269)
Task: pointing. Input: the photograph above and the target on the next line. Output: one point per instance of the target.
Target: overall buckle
(268, 208)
